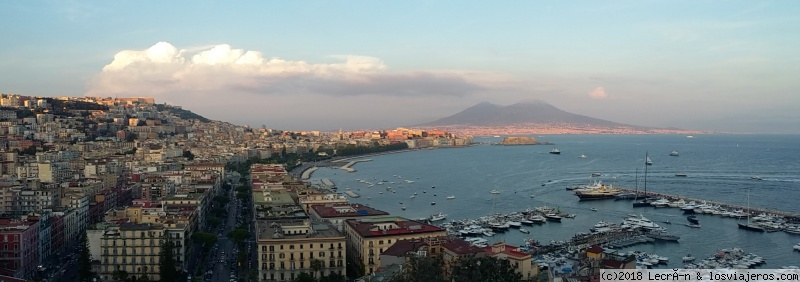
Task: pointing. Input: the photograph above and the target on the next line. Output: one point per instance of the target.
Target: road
(224, 258)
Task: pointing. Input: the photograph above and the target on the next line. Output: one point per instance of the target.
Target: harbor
(472, 173)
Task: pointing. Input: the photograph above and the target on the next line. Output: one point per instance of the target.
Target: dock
(789, 216)
(307, 173)
(348, 167)
(328, 183)
(351, 194)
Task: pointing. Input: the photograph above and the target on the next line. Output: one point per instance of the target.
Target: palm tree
(316, 265)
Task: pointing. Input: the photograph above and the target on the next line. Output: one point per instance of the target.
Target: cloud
(598, 93)
(245, 86)
(164, 69)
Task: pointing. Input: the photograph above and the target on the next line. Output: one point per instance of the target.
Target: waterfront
(718, 168)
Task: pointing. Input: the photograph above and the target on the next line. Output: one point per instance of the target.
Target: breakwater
(789, 216)
(349, 166)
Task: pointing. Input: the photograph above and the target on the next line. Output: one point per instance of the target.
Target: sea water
(717, 167)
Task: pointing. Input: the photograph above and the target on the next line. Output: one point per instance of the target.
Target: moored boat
(553, 217)
(598, 193)
(674, 153)
(555, 151)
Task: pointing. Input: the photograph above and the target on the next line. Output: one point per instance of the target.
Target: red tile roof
(461, 247)
(595, 249)
(405, 226)
(508, 250)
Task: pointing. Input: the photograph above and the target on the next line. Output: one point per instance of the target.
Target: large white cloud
(165, 69)
(243, 86)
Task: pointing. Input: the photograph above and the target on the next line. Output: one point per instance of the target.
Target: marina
(575, 217)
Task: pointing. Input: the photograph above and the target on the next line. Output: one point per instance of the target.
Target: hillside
(184, 114)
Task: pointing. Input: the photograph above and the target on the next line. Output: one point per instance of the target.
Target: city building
(289, 247)
(368, 238)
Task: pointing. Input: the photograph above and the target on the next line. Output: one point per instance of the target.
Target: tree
(304, 277)
(332, 277)
(238, 235)
(484, 269)
(205, 238)
(188, 155)
(213, 221)
(166, 261)
(31, 150)
(316, 265)
(120, 275)
(423, 269)
(85, 273)
(222, 200)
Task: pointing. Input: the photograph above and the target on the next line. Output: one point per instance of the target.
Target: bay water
(718, 167)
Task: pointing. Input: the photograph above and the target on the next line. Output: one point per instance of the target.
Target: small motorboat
(594, 209)
(688, 258)
(523, 230)
(433, 203)
(667, 221)
(693, 225)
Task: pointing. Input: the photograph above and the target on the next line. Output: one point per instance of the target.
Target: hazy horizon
(329, 65)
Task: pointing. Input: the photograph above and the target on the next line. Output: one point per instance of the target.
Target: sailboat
(749, 225)
(645, 201)
(648, 161)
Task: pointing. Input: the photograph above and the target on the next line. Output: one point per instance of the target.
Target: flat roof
(345, 210)
(273, 229)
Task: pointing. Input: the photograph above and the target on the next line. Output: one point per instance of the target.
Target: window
(271, 248)
(321, 254)
(291, 247)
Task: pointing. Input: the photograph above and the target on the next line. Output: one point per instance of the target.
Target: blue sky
(718, 65)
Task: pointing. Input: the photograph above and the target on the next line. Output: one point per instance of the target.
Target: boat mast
(645, 174)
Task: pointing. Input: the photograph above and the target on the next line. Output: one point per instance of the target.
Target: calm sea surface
(718, 168)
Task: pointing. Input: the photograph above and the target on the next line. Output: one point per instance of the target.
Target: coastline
(305, 171)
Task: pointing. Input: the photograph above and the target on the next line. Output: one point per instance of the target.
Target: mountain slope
(527, 112)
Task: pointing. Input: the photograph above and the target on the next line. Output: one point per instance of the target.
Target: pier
(789, 216)
(328, 183)
(348, 167)
(307, 173)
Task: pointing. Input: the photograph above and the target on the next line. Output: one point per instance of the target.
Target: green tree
(333, 277)
(31, 150)
(213, 221)
(238, 235)
(204, 238)
(484, 269)
(316, 265)
(166, 261)
(222, 200)
(85, 273)
(188, 155)
(304, 277)
(120, 275)
(423, 269)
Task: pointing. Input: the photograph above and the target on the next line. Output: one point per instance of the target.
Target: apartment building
(337, 214)
(130, 247)
(19, 255)
(289, 247)
(518, 259)
(311, 198)
(368, 238)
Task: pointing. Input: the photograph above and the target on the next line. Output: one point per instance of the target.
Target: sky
(730, 66)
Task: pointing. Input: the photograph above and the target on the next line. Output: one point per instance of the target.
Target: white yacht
(688, 258)
(674, 153)
(495, 191)
(438, 216)
(582, 156)
(639, 222)
(796, 247)
(451, 197)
